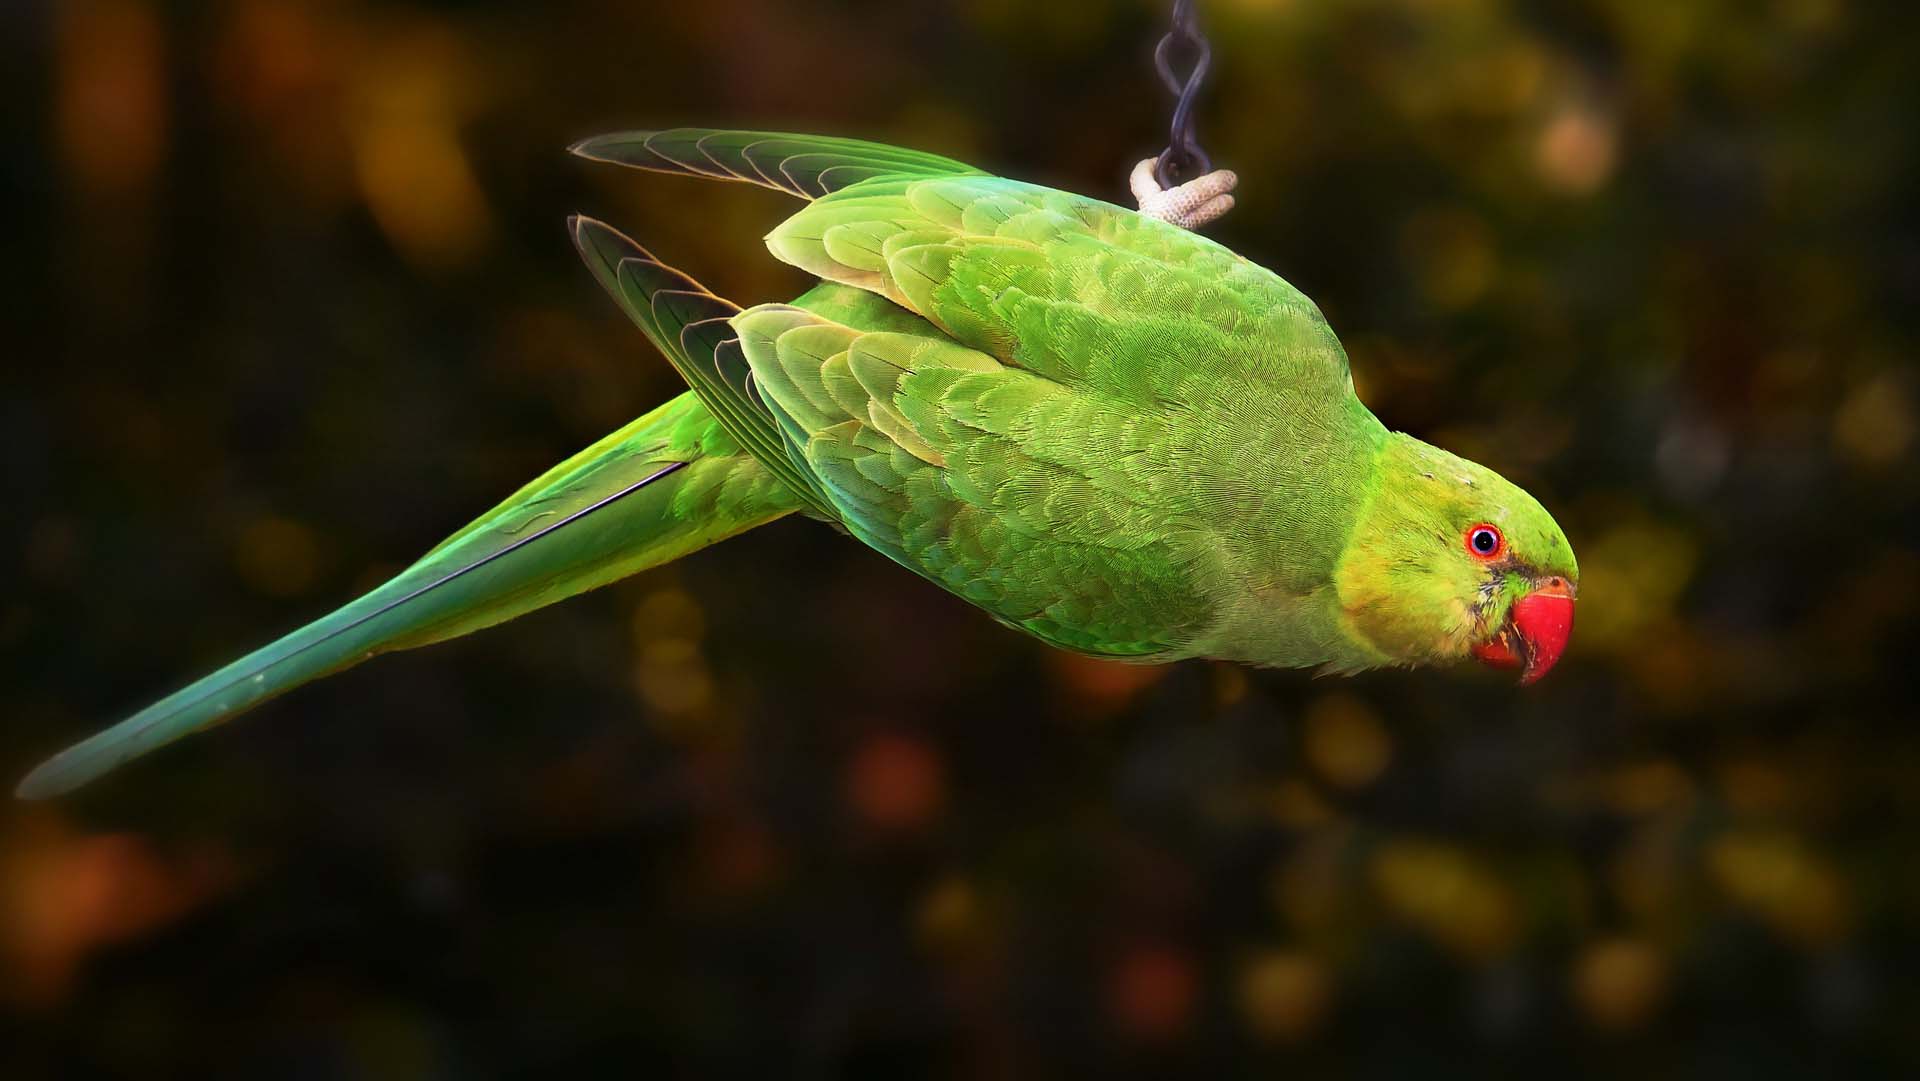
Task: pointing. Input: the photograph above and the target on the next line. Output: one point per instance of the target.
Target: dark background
(290, 298)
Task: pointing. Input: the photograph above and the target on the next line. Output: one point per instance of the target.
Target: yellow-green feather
(669, 483)
(1106, 431)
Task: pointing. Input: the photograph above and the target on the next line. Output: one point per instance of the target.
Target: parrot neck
(1395, 600)
(1281, 605)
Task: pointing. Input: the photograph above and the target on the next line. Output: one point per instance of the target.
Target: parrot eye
(1485, 542)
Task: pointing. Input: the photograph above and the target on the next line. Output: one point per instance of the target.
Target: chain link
(1183, 159)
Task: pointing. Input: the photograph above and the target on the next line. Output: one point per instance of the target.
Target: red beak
(1536, 632)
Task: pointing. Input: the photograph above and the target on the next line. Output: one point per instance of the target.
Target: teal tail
(667, 484)
(701, 468)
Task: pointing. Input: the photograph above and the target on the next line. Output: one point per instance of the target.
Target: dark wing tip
(608, 147)
(603, 246)
(588, 230)
(808, 166)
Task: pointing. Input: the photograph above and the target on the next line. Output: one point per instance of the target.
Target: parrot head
(1450, 559)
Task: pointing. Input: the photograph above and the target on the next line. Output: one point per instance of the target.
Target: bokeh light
(293, 299)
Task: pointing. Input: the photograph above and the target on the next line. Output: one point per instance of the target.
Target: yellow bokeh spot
(1629, 579)
(1284, 995)
(1874, 424)
(672, 676)
(1619, 982)
(1346, 742)
(949, 916)
(277, 556)
(669, 612)
(1439, 890)
(670, 672)
(1779, 880)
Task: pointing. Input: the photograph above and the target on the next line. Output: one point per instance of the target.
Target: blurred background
(291, 298)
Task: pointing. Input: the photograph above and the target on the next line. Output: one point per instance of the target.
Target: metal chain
(1183, 157)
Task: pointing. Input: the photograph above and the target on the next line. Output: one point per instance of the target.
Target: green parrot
(1106, 431)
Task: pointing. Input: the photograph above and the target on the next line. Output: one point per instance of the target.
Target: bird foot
(1189, 205)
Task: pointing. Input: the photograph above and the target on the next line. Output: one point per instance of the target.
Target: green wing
(1044, 438)
(690, 326)
(1237, 390)
(1080, 291)
(1072, 288)
(940, 457)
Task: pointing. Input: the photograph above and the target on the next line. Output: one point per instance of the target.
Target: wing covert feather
(994, 482)
(1074, 289)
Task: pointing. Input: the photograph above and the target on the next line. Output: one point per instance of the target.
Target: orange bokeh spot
(895, 782)
(1152, 991)
(68, 893)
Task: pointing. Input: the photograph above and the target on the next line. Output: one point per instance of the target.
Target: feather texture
(808, 166)
(1108, 432)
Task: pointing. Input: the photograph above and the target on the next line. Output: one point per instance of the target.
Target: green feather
(669, 483)
(1108, 432)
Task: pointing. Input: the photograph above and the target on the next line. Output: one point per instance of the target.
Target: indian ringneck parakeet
(1106, 431)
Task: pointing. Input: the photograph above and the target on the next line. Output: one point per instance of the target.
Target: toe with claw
(1189, 205)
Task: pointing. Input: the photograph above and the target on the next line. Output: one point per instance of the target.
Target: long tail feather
(699, 469)
(668, 484)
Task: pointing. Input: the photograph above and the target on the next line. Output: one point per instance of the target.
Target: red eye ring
(1486, 542)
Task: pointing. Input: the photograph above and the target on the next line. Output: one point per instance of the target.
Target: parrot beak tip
(1535, 634)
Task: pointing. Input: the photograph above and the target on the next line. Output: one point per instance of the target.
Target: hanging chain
(1181, 186)
(1183, 159)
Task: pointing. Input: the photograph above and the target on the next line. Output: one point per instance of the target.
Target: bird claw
(1189, 205)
